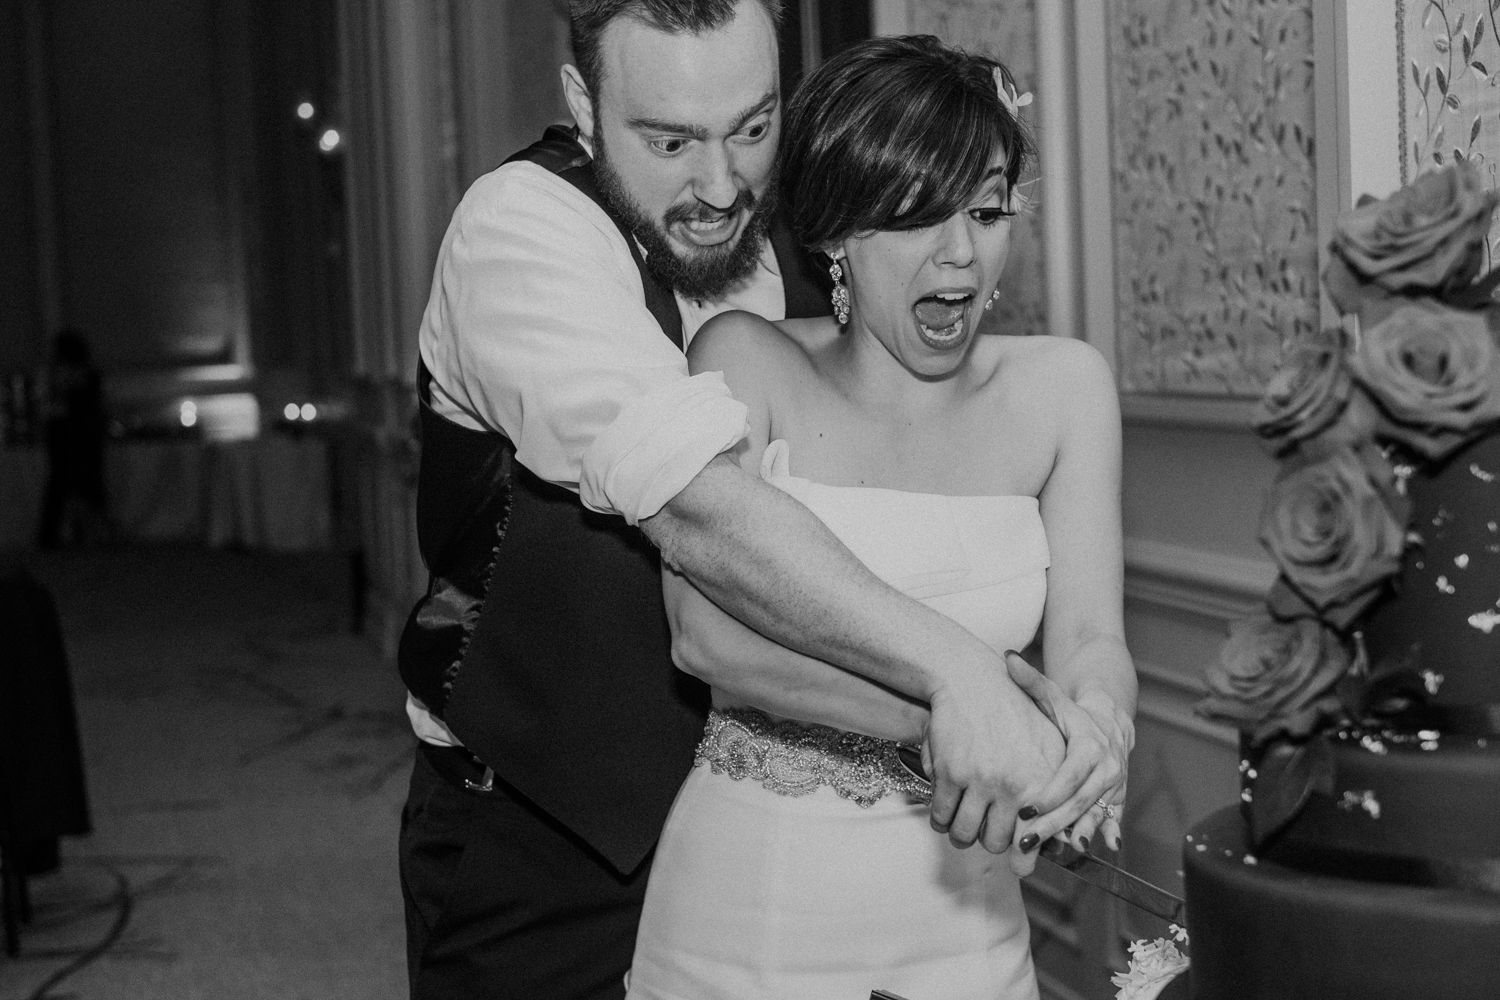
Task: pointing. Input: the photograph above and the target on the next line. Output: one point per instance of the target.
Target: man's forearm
(768, 560)
(710, 644)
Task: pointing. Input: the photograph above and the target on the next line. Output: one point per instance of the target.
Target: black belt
(459, 767)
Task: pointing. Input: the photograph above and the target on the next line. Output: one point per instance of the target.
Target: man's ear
(576, 93)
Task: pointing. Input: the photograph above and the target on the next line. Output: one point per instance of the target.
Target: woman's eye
(990, 216)
(668, 147)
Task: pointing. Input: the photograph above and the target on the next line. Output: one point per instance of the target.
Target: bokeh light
(309, 411)
(188, 413)
(305, 110)
(329, 140)
(290, 411)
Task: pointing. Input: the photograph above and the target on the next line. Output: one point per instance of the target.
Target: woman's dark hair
(587, 20)
(894, 134)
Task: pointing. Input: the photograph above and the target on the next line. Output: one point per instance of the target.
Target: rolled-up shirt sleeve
(537, 327)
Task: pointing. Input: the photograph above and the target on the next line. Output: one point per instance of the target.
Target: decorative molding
(1165, 698)
(1218, 413)
(1211, 584)
(1091, 134)
(1058, 152)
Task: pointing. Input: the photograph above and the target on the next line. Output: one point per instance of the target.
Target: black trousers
(501, 900)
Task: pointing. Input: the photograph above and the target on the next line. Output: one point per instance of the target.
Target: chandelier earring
(994, 297)
(840, 292)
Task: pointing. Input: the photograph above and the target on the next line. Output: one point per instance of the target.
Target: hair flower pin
(1013, 102)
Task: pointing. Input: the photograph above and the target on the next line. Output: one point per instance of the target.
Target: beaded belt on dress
(795, 758)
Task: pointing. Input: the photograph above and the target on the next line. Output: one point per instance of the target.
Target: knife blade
(1095, 871)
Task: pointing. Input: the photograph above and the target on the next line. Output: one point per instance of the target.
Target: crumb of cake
(1486, 620)
(1153, 965)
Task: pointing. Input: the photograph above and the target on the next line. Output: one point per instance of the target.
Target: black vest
(542, 640)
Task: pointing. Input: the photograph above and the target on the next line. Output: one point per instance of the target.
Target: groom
(564, 447)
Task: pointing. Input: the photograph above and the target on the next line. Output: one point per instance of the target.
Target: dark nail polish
(1085, 842)
(1027, 812)
(1029, 842)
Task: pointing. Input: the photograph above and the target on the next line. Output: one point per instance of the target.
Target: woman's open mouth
(942, 318)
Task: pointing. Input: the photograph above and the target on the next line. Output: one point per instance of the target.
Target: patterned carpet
(246, 759)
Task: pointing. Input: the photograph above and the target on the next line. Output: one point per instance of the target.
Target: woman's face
(921, 292)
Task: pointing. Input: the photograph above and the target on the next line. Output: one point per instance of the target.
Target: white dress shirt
(537, 327)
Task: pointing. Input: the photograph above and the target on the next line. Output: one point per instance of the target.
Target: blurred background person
(74, 508)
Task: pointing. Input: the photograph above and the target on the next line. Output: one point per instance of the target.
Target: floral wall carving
(1214, 213)
(1449, 51)
(1004, 30)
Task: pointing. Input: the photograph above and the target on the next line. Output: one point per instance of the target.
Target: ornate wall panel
(1213, 191)
(1448, 54)
(1006, 31)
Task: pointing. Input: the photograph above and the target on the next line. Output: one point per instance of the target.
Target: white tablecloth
(270, 492)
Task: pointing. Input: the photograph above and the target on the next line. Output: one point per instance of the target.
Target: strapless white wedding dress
(778, 886)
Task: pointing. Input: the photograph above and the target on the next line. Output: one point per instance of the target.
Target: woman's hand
(1099, 736)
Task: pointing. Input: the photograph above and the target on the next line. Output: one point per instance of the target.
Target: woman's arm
(1090, 684)
(715, 647)
(712, 644)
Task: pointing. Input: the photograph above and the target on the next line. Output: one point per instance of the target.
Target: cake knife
(1095, 871)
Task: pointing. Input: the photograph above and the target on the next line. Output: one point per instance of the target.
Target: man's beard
(707, 273)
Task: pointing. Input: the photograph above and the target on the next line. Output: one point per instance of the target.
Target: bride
(979, 474)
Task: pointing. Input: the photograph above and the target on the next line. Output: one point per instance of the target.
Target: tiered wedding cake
(1364, 860)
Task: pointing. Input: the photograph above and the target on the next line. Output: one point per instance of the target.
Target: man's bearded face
(684, 145)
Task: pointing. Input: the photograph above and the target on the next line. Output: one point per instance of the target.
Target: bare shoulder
(1060, 369)
(743, 346)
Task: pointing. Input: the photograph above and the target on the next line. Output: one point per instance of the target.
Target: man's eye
(668, 147)
(757, 131)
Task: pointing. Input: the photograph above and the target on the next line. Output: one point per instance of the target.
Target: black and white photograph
(749, 499)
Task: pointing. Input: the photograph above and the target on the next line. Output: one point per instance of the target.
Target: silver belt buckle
(486, 784)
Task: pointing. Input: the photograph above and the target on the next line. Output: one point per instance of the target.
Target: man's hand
(989, 750)
(1099, 738)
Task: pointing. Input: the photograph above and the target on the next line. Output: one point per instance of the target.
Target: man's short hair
(589, 18)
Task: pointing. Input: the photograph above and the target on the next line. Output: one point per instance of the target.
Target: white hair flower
(1013, 102)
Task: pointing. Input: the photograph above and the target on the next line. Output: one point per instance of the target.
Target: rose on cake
(1435, 371)
(1331, 527)
(1426, 239)
(1412, 377)
(1277, 678)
